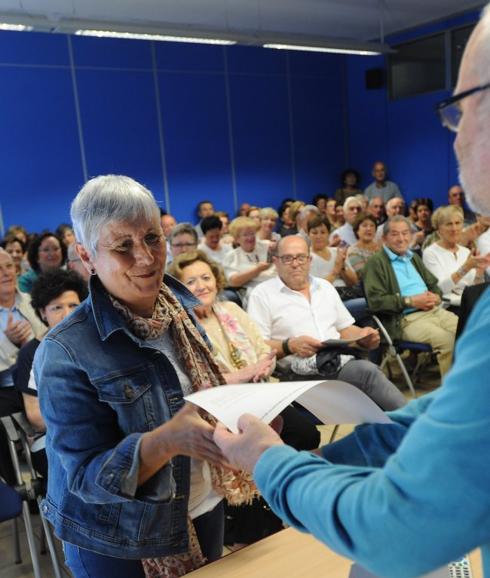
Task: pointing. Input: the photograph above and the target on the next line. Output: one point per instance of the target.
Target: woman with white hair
(268, 221)
(454, 265)
(135, 480)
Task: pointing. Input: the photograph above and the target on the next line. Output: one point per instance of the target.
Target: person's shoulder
(266, 289)
(68, 330)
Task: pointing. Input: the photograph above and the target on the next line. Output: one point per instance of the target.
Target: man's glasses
(449, 110)
(301, 259)
(183, 245)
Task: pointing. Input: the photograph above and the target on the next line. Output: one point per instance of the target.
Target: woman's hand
(188, 434)
(254, 372)
(18, 332)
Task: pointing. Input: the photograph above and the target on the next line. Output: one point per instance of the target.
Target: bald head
(293, 262)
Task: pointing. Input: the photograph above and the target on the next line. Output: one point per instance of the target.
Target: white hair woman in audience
(454, 265)
(250, 263)
(135, 479)
(267, 230)
(243, 356)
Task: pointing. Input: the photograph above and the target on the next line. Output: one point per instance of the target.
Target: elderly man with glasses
(296, 313)
(404, 498)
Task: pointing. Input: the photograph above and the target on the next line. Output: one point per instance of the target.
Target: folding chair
(393, 350)
(18, 429)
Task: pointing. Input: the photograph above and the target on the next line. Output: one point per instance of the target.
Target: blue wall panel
(179, 56)
(40, 168)
(111, 52)
(120, 127)
(261, 138)
(197, 144)
(33, 48)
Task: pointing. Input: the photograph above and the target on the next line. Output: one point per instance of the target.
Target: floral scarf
(236, 487)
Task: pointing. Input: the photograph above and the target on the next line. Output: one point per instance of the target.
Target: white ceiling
(351, 20)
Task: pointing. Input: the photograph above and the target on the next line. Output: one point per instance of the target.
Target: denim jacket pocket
(131, 396)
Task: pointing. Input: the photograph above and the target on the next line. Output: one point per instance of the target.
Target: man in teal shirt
(405, 498)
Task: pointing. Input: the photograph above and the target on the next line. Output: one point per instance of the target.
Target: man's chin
(480, 204)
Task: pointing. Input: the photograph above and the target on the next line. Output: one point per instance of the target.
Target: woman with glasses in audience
(243, 356)
(183, 238)
(365, 230)
(135, 480)
(454, 265)
(54, 296)
(45, 253)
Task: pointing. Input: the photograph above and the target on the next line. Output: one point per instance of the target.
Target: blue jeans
(87, 564)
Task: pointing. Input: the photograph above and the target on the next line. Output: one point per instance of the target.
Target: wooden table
(289, 554)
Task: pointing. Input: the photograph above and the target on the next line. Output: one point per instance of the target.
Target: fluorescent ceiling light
(159, 37)
(15, 27)
(361, 52)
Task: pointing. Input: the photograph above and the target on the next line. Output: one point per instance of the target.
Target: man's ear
(86, 258)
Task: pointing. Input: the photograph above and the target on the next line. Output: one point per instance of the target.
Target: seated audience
(453, 265)
(267, 230)
(249, 264)
(332, 216)
(304, 216)
(423, 212)
(74, 263)
(296, 312)
(359, 253)
(18, 325)
(16, 248)
(405, 294)
(243, 210)
(211, 241)
(64, 232)
(225, 232)
(54, 296)
(46, 252)
(183, 238)
(320, 202)
(395, 206)
(287, 226)
(18, 231)
(349, 186)
(381, 187)
(204, 209)
(345, 234)
(376, 208)
(254, 214)
(456, 197)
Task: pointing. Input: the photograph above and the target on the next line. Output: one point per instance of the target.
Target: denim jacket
(100, 389)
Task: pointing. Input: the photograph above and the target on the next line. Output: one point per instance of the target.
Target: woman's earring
(93, 271)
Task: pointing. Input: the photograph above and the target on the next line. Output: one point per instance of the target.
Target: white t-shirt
(442, 264)
(483, 246)
(281, 312)
(238, 261)
(217, 255)
(202, 497)
(320, 267)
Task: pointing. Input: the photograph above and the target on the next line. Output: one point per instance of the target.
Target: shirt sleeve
(22, 376)
(425, 505)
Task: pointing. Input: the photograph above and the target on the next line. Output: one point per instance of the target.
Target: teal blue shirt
(405, 498)
(409, 279)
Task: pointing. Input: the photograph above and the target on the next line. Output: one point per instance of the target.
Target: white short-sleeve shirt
(281, 312)
(238, 261)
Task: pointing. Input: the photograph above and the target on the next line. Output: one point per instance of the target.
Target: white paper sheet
(332, 402)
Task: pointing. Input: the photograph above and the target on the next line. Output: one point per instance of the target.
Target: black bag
(328, 360)
(353, 292)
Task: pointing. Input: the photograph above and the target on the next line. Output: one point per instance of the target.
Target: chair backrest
(10, 503)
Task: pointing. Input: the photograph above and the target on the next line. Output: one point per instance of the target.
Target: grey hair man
(381, 187)
(345, 235)
(406, 498)
(306, 214)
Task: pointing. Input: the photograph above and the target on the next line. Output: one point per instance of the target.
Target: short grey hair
(183, 229)
(395, 219)
(308, 209)
(109, 198)
(350, 201)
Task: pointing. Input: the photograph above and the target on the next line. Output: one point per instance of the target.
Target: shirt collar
(281, 286)
(393, 256)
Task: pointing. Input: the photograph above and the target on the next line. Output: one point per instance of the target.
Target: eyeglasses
(290, 259)
(449, 110)
(182, 245)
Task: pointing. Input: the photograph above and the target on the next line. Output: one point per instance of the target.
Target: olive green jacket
(383, 292)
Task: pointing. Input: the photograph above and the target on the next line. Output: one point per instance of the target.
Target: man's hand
(371, 338)
(18, 332)
(425, 301)
(304, 346)
(243, 450)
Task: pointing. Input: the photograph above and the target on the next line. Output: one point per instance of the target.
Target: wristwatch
(407, 301)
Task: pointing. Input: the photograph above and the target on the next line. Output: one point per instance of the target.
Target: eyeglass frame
(447, 102)
(182, 245)
(293, 258)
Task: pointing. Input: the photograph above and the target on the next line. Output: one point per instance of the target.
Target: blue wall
(405, 133)
(189, 121)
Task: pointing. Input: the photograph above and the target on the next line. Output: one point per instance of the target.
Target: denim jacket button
(45, 509)
(128, 391)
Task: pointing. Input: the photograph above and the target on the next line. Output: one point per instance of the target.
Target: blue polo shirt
(409, 279)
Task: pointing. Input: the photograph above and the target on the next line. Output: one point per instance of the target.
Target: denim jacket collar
(108, 320)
